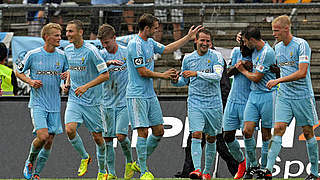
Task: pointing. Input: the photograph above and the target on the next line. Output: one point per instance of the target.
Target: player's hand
(238, 37)
(64, 75)
(65, 88)
(81, 90)
(169, 73)
(175, 78)
(240, 66)
(114, 62)
(35, 84)
(272, 83)
(187, 74)
(193, 31)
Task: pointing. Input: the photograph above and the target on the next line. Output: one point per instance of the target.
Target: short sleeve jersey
(46, 67)
(140, 54)
(85, 64)
(115, 87)
(262, 60)
(288, 58)
(240, 89)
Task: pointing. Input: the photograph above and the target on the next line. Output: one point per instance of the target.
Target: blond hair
(46, 30)
(283, 21)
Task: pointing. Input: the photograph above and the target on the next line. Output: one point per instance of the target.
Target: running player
(295, 97)
(46, 65)
(260, 104)
(237, 99)
(143, 105)
(87, 70)
(115, 106)
(202, 71)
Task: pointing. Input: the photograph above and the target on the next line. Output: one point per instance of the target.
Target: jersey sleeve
(216, 70)
(98, 61)
(25, 64)
(158, 47)
(266, 59)
(136, 53)
(65, 64)
(304, 52)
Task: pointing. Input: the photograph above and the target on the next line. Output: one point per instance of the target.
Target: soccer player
(87, 70)
(202, 71)
(237, 99)
(115, 106)
(260, 104)
(295, 97)
(143, 105)
(47, 66)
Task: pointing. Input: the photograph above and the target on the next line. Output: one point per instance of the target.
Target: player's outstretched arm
(179, 43)
(101, 78)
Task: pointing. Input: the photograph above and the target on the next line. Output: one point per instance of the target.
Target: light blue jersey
(46, 67)
(289, 57)
(115, 87)
(140, 54)
(204, 89)
(85, 64)
(240, 89)
(261, 61)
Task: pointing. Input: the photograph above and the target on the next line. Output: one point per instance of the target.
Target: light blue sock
(210, 156)
(77, 143)
(142, 153)
(313, 155)
(264, 153)
(196, 152)
(247, 161)
(110, 157)
(126, 149)
(274, 150)
(42, 159)
(152, 143)
(235, 151)
(101, 156)
(33, 154)
(250, 144)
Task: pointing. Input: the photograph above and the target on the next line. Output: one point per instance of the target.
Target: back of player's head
(3, 51)
(252, 32)
(78, 23)
(283, 21)
(146, 20)
(205, 31)
(106, 31)
(245, 51)
(46, 30)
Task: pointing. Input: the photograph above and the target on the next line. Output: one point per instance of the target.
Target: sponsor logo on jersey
(117, 69)
(138, 61)
(50, 73)
(288, 63)
(77, 68)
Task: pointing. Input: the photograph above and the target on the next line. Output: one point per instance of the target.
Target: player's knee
(43, 137)
(71, 132)
(211, 139)
(228, 137)
(97, 137)
(108, 139)
(279, 129)
(247, 133)
(159, 132)
(197, 135)
(308, 133)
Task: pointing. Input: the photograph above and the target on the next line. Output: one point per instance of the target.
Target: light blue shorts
(116, 121)
(260, 106)
(91, 116)
(206, 120)
(43, 119)
(304, 110)
(144, 112)
(233, 116)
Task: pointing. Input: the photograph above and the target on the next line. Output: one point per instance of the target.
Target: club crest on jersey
(209, 61)
(291, 53)
(124, 59)
(82, 60)
(138, 61)
(20, 66)
(57, 65)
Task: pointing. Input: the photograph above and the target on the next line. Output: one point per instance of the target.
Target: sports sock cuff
(76, 137)
(277, 139)
(196, 140)
(109, 143)
(155, 137)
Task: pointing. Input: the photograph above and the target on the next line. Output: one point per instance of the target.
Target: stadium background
(225, 19)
